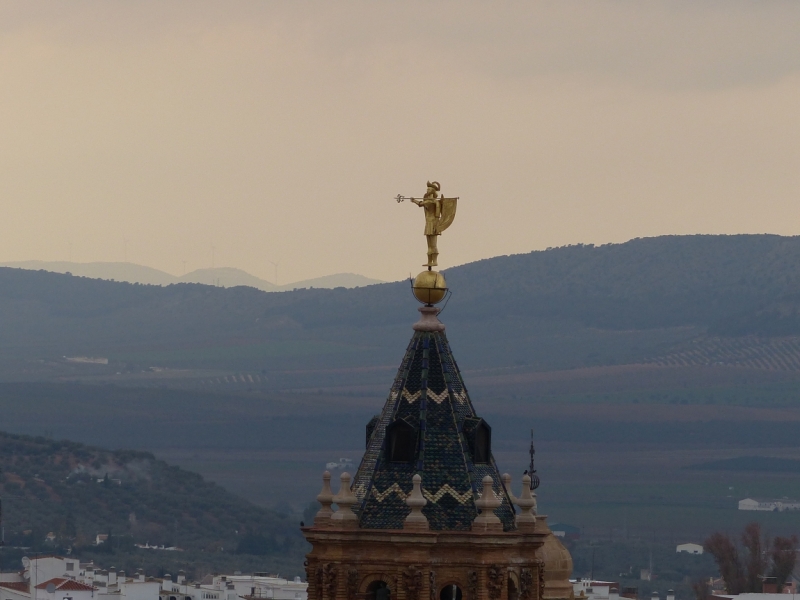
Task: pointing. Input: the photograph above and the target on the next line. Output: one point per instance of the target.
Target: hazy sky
(282, 131)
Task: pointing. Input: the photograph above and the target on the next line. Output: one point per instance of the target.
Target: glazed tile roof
(429, 394)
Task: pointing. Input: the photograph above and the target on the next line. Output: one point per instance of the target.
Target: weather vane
(429, 287)
(439, 215)
(532, 469)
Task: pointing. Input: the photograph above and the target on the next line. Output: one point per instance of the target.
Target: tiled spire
(429, 401)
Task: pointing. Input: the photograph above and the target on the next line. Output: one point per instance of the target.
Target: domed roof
(557, 563)
(429, 413)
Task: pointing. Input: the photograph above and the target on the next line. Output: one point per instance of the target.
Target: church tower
(428, 516)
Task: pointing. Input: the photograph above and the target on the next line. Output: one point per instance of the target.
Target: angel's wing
(448, 214)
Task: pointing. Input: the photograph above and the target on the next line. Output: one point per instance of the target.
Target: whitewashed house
(595, 590)
(261, 585)
(54, 577)
(769, 504)
(689, 548)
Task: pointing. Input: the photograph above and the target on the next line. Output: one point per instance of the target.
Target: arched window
(451, 592)
(483, 443)
(513, 592)
(401, 442)
(378, 590)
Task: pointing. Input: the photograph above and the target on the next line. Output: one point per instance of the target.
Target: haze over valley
(216, 276)
(227, 230)
(675, 351)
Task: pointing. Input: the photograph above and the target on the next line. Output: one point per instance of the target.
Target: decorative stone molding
(540, 568)
(325, 498)
(331, 580)
(472, 585)
(487, 503)
(352, 583)
(412, 582)
(429, 320)
(432, 585)
(527, 502)
(345, 499)
(495, 581)
(319, 583)
(415, 501)
(526, 584)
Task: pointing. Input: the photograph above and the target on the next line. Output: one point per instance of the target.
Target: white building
(595, 590)
(61, 588)
(57, 578)
(689, 548)
(769, 504)
(344, 463)
(51, 577)
(14, 590)
(754, 596)
(261, 585)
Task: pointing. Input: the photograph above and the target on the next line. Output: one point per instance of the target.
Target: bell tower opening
(483, 443)
(401, 442)
(451, 592)
(378, 590)
(513, 592)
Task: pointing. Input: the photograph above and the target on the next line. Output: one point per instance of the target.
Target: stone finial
(429, 321)
(487, 520)
(345, 499)
(415, 500)
(527, 502)
(506, 479)
(325, 498)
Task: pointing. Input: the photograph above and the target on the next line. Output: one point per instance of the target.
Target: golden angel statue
(439, 215)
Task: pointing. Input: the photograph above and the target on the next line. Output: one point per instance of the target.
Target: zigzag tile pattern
(429, 394)
(462, 498)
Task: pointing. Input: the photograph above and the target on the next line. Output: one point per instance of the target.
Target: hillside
(78, 491)
(641, 301)
(631, 362)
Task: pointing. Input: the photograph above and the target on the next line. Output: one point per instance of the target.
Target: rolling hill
(78, 491)
(631, 362)
(637, 302)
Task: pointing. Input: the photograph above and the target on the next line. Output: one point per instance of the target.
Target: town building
(592, 589)
(752, 596)
(769, 504)
(53, 577)
(261, 585)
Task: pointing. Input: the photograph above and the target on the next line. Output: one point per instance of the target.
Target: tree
(726, 555)
(777, 557)
(756, 563)
(784, 557)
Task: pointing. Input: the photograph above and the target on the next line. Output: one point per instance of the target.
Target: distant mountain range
(220, 276)
(690, 301)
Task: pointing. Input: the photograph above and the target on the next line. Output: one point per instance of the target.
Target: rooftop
(63, 584)
(429, 412)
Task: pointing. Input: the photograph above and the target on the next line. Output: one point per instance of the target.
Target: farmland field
(606, 466)
(248, 352)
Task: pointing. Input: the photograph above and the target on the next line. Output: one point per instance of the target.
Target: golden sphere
(429, 287)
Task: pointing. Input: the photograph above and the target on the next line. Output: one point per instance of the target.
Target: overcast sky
(281, 131)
